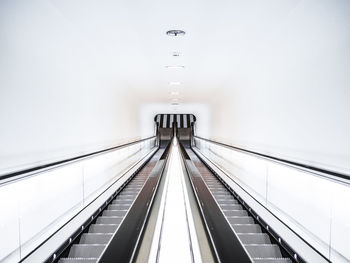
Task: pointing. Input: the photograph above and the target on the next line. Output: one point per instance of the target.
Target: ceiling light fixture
(175, 33)
(175, 67)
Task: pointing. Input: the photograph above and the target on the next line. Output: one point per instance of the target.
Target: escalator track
(257, 245)
(114, 221)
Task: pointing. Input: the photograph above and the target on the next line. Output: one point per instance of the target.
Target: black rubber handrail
(69, 160)
(302, 166)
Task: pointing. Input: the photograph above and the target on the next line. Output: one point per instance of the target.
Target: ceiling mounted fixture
(175, 83)
(175, 67)
(175, 33)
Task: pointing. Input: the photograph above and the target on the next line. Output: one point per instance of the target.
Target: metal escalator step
(95, 238)
(86, 251)
(114, 212)
(227, 201)
(122, 202)
(246, 228)
(255, 238)
(109, 220)
(264, 251)
(219, 193)
(103, 228)
(129, 192)
(217, 188)
(126, 196)
(236, 213)
(118, 206)
(240, 220)
(78, 260)
(225, 197)
(226, 207)
(272, 260)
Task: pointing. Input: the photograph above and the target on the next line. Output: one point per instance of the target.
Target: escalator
(121, 221)
(234, 232)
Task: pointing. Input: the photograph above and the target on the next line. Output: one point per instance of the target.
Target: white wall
(290, 96)
(56, 99)
(272, 76)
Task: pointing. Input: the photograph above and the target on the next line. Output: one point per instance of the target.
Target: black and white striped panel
(168, 120)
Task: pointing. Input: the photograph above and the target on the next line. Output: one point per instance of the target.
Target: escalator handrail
(5, 178)
(333, 175)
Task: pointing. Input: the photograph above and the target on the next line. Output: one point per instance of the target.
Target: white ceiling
(127, 42)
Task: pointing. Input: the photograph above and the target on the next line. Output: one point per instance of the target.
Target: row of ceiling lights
(175, 33)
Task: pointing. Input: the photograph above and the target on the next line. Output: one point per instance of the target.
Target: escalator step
(231, 207)
(103, 228)
(86, 251)
(109, 220)
(264, 251)
(78, 260)
(224, 197)
(246, 228)
(118, 206)
(122, 202)
(114, 212)
(257, 238)
(95, 238)
(226, 201)
(123, 196)
(272, 260)
(221, 193)
(236, 213)
(241, 220)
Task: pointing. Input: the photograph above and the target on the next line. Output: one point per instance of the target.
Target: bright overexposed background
(78, 76)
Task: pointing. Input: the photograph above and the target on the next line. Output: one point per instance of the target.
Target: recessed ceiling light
(175, 67)
(175, 83)
(175, 33)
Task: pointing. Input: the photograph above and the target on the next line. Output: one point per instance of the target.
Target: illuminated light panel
(175, 83)
(175, 67)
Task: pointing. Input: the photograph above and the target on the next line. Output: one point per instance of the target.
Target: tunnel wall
(290, 96)
(56, 99)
